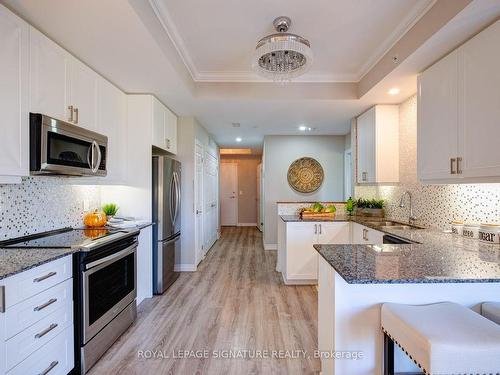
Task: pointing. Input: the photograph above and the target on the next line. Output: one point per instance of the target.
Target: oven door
(109, 285)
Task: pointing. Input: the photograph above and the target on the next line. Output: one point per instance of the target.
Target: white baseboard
(185, 268)
(270, 246)
(247, 224)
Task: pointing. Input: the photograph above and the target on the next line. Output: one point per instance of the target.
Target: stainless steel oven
(105, 295)
(61, 148)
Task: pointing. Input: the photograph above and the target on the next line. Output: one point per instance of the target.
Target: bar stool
(491, 311)
(441, 338)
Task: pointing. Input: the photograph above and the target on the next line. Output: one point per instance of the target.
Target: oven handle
(112, 258)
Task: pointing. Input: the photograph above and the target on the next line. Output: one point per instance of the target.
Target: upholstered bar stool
(441, 338)
(491, 310)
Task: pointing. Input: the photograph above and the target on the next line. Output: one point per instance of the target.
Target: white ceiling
(216, 38)
(126, 42)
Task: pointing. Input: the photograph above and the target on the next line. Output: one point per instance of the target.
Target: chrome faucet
(411, 217)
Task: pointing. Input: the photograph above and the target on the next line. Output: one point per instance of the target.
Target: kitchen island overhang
(355, 280)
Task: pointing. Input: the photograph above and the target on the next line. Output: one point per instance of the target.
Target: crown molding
(168, 25)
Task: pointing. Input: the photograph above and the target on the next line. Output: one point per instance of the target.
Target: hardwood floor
(235, 301)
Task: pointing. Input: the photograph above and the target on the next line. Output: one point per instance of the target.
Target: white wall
(279, 153)
(188, 130)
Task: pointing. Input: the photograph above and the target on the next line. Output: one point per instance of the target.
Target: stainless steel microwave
(60, 148)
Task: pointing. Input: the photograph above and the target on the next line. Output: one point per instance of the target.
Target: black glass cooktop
(61, 238)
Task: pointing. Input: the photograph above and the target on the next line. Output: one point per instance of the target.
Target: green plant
(370, 203)
(110, 209)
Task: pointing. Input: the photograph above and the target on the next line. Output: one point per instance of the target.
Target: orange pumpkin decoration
(95, 219)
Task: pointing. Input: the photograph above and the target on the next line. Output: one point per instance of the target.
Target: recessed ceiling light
(304, 128)
(238, 139)
(235, 124)
(393, 91)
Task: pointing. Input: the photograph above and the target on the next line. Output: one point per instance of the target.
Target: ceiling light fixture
(282, 56)
(304, 128)
(393, 91)
(238, 139)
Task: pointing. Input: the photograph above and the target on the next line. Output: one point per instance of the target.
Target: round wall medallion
(305, 175)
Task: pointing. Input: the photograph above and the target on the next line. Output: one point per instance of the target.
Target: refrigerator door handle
(171, 205)
(177, 196)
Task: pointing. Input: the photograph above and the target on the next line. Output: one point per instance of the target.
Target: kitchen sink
(392, 225)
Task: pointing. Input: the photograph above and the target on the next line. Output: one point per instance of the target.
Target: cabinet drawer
(54, 358)
(34, 281)
(31, 339)
(30, 311)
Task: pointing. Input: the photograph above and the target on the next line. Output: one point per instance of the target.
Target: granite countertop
(434, 257)
(16, 260)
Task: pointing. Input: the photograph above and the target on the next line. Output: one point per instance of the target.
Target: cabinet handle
(46, 304)
(76, 115)
(167, 141)
(320, 229)
(70, 107)
(364, 176)
(459, 165)
(46, 330)
(452, 166)
(365, 234)
(48, 369)
(45, 277)
(315, 228)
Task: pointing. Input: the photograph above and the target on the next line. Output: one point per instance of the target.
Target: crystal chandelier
(282, 56)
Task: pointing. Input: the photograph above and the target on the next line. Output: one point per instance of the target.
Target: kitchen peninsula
(355, 277)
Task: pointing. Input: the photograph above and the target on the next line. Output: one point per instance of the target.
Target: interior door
(198, 202)
(228, 194)
(210, 167)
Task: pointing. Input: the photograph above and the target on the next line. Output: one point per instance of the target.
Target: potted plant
(110, 209)
(370, 207)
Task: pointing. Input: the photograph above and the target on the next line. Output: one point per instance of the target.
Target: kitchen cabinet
(364, 235)
(36, 328)
(458, 112)
(437, 119)
(112, 122)
(14, 78)
(49, 65)
(82, 95)
(378, 145)
(164, 127)
(61, 86)
(299, 260)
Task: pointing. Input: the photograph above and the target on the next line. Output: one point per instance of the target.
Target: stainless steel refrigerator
(167, 221)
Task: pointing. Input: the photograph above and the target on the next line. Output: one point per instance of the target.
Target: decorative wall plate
(305, 175)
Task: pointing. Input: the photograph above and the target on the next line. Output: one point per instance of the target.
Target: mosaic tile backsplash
(434, 205)
(43, 203)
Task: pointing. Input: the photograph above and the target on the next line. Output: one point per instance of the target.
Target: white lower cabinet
(300, 261)
(297, 258)
(36, 328)
(364, 235)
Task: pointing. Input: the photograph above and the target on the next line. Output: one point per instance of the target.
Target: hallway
(236, 305)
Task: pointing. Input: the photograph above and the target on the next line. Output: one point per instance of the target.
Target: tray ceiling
(216, 38)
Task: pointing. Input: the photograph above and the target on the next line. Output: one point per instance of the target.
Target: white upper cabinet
(479, 105)
(82, 94)
(112, 122)
(378, 145)
(49, 66)
(61, 86)
(437, 119)
(164, 127)
(14, 76)
(459, 113)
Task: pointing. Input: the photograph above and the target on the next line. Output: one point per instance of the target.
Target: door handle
(452, 166)
(459, 165)
(70, 119)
